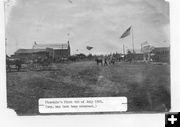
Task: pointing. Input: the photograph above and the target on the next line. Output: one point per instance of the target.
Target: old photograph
(86, 49)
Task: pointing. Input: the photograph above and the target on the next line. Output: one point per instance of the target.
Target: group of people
(105, 60)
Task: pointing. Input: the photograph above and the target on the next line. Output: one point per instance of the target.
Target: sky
(96, 23)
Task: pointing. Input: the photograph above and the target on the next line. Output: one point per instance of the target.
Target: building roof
(160, 49)
(137, 51)
(53, 46)
(30, 50)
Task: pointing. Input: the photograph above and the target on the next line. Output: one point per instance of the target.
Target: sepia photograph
(88, 49)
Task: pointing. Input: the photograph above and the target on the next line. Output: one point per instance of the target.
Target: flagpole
(132, 39)
(123, 50)
(6, 45)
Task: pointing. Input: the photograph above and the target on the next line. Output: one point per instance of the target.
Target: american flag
(126, 33)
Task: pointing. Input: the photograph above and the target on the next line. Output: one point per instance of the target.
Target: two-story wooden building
(55, 51)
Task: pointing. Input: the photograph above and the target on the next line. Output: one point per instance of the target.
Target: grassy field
(147, 86)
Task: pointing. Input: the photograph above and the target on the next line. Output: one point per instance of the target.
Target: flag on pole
(89, 47)
(126, 33)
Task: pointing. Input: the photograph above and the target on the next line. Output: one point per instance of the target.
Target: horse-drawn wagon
(35, 64)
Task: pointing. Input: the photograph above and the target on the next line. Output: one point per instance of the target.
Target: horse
(99, 61)
(13, 62)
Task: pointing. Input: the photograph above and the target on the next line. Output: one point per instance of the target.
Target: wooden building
(56, 51)
(161, 54)
(28, 54)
